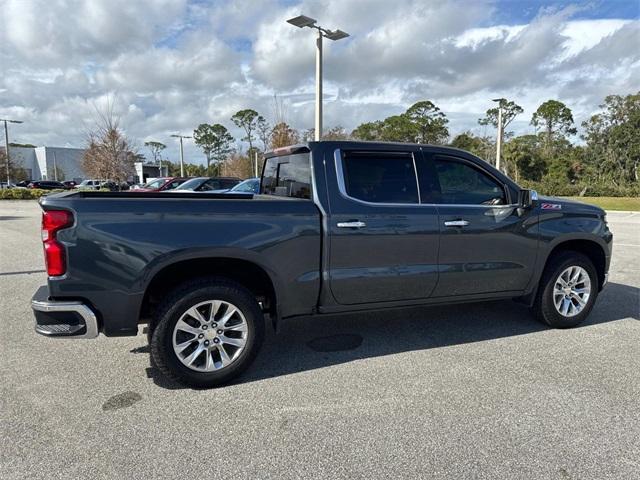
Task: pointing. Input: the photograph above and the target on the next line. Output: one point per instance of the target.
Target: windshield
(251, 185)
(155, 184)
(191, 184)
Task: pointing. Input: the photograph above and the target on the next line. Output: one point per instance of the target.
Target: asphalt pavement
(470, 391)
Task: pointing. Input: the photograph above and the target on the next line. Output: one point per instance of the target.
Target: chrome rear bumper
(64, 319)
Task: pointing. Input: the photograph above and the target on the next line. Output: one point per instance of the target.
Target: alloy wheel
(210, 336)
(571, 291)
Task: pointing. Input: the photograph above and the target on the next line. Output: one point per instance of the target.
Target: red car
(162, 184)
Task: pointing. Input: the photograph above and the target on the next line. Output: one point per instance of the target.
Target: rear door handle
(353, 224)
(456, 223)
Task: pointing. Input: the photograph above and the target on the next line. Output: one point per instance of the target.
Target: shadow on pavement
(310, 343)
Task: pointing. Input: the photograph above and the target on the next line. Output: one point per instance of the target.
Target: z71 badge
(551, 206)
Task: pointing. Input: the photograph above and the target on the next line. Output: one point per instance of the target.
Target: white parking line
(625, 245)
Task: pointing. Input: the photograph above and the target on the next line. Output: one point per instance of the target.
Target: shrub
(557, 187)
(25, 193)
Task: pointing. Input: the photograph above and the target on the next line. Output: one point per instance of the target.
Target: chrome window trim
(337, 154)
(415, 172)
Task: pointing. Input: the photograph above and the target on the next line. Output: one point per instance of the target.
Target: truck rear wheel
(567, 290)
(207, 332)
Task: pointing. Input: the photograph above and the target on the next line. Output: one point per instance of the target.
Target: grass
(612, 203)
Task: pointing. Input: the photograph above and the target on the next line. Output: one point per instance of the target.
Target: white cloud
(170, 65)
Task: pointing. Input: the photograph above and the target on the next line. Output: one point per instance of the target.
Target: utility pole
(181, 152)
(500, 133)
(6, 142)
(255, 163)
(55, 167)
(304, 21)
(318, 132)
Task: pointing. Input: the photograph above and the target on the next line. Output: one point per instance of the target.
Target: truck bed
(121, 240)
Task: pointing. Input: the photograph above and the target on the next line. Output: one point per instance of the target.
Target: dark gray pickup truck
(337, 227)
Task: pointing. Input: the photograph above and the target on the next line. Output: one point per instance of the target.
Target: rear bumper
(68, 319)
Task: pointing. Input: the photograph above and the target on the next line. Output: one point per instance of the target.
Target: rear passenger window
(287, 176)
(380, 177)
(462, 184)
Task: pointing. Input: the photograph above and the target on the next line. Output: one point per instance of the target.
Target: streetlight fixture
(500, 132)
(181, 152)
(302, 21)
(6, 142)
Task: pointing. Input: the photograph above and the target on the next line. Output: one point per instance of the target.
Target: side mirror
(526, 198)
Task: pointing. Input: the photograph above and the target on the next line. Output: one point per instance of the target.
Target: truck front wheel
(207, 332)
(567, 290)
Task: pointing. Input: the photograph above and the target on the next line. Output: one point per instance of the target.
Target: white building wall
(40, 161)
(25, 157)
(68, 162)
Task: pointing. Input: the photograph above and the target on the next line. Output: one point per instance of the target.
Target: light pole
(6, 142)
(302, 21)
(181, 152)
(500, 133)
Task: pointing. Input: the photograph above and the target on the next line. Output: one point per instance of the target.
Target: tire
(544, 306)
(191, 304)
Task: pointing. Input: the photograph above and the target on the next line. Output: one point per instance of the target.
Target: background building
(49, 163)
(61, 163)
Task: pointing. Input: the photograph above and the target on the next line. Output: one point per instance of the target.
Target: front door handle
(352, 224)
(456, 223)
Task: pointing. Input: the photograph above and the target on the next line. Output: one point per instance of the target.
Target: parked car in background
(250, 185)
(7, 185)
(207, 184)
(23, 183)
(162, 184)
(48, 185)
(114, 186)
(90, 184)
(69, 184)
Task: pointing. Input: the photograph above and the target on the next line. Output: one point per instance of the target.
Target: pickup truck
(337, 227)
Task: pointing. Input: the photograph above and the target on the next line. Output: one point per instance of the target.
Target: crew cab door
(487, 244)
(383, 242)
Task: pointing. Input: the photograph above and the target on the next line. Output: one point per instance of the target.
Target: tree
(215, 141)
(613, 139)
(16, 172)
(555, 118)
(368, 131)
(429, 121)
(239, 165)
(247, 120)
(22, 145)
(423, 122)
(523, 158)
(283, 136)
(479, 146)
(264, 132)
(334, 133)
(109, 154)
(156, 149)
(510, 110)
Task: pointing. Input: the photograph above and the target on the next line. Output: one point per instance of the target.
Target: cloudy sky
(168, 65)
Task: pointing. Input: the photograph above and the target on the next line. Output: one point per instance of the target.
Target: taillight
(54, 251)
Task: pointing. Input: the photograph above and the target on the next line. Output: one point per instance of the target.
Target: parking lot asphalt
(468, 391)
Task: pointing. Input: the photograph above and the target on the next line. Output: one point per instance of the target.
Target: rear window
(287, 176)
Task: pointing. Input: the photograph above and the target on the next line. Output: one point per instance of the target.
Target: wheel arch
(256, 277)
(593, 248)
(589, 248)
